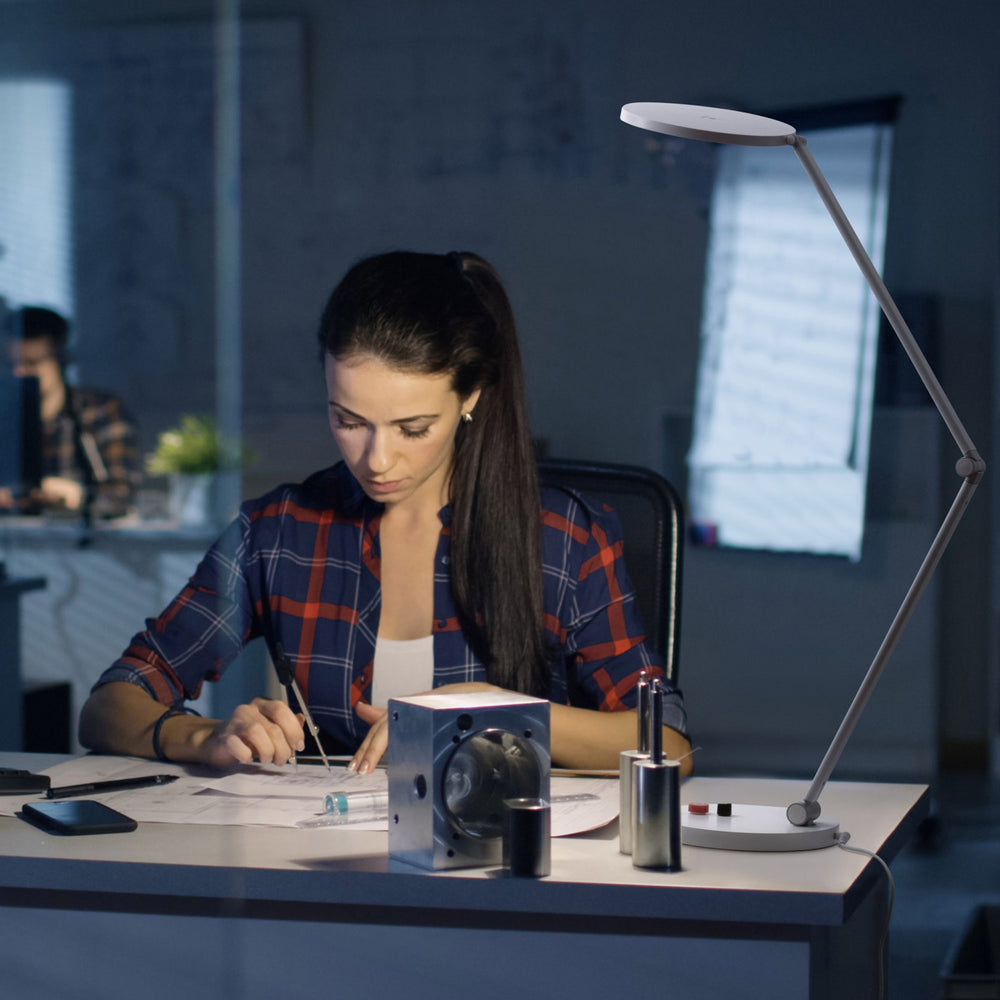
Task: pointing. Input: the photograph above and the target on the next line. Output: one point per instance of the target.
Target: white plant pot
(189, 502)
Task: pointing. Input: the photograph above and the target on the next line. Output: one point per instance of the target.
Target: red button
(698, 808)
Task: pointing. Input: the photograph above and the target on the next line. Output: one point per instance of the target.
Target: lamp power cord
(883, 956)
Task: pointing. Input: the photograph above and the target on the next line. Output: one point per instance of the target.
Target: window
(35, 168)
(789, 333)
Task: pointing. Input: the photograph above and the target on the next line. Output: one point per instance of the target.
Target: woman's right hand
(120, 718)
(265, 730)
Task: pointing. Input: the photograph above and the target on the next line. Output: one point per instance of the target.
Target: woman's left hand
(374, 745)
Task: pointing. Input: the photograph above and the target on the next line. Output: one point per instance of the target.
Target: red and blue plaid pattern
(116, 436)
(300, 566)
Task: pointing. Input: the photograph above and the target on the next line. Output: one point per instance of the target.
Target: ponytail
(496, 527)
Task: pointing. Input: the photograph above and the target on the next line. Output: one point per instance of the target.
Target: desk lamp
(799, 827)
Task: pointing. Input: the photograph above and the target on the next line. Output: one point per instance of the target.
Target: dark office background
(442, 124)
(494, 127)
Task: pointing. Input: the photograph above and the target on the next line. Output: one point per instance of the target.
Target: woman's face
(395, 429)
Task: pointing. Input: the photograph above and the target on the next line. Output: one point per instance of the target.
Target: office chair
(652, 519)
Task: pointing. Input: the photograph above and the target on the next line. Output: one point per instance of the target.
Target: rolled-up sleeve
(200, 632)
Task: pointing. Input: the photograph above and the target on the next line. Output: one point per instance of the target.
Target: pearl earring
(467, 418)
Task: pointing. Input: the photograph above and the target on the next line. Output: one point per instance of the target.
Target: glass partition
(125, 142)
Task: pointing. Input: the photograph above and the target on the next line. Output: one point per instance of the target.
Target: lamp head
(691, 121)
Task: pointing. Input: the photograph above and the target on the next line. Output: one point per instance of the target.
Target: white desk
(265, 912)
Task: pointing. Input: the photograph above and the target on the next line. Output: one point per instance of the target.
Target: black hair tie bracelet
(168, 714)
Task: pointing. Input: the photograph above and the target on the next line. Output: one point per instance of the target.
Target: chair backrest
(652, 519)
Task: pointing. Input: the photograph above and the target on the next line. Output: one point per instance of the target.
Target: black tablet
(77, 816)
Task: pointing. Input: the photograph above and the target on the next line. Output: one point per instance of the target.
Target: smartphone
(77, 816)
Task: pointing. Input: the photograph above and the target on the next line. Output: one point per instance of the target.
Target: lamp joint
(971, 467)
(803, 813)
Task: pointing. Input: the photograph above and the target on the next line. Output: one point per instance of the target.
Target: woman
(416, 563)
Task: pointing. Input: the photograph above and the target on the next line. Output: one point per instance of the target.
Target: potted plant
(192, 456)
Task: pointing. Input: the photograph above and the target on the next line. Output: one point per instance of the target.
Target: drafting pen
(109, 786)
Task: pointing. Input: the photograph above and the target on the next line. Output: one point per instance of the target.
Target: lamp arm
(892, 313)
(970, 467)
(805, 812)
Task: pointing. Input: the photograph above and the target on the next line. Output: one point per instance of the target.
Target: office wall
(442, 124)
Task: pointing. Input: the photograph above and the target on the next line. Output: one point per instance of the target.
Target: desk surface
(590, 878)
(39, 532)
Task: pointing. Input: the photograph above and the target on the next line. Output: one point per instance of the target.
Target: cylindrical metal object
(656, 815)
(642, 714)
(656, 721)
(527, 837)
(626, 760)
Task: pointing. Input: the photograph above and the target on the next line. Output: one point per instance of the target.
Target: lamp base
(755, 828)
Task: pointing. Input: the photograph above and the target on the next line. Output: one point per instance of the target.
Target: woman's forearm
(591, 740)
(120, 717)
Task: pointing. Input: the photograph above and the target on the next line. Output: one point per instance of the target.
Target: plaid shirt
(301, 566)
(112, 430)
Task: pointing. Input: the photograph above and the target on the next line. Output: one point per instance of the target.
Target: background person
(90, 443)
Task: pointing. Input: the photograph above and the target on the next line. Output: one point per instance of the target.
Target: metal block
(453, 759)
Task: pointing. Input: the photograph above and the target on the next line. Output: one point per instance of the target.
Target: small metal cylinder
(643, 713)
(626, 760)
(656, 815)
(527, 837)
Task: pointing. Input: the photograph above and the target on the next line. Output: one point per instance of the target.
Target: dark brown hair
(37, 323)
(436, 313)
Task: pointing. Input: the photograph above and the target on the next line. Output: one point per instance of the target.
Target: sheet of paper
(260, 795)
(571, 813)
(82, 770)
(283, 797)
(268, 795)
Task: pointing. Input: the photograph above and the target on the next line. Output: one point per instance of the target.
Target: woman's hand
(376, 740)
(264, 730)
(58, 491)
(374, 745)
(121, 718)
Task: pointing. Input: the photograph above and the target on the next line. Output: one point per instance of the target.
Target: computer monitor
(20, 434)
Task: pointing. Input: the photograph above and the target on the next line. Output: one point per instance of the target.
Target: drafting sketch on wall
(529, 118)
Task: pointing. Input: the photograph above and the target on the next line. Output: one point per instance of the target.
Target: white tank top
(402, 667)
